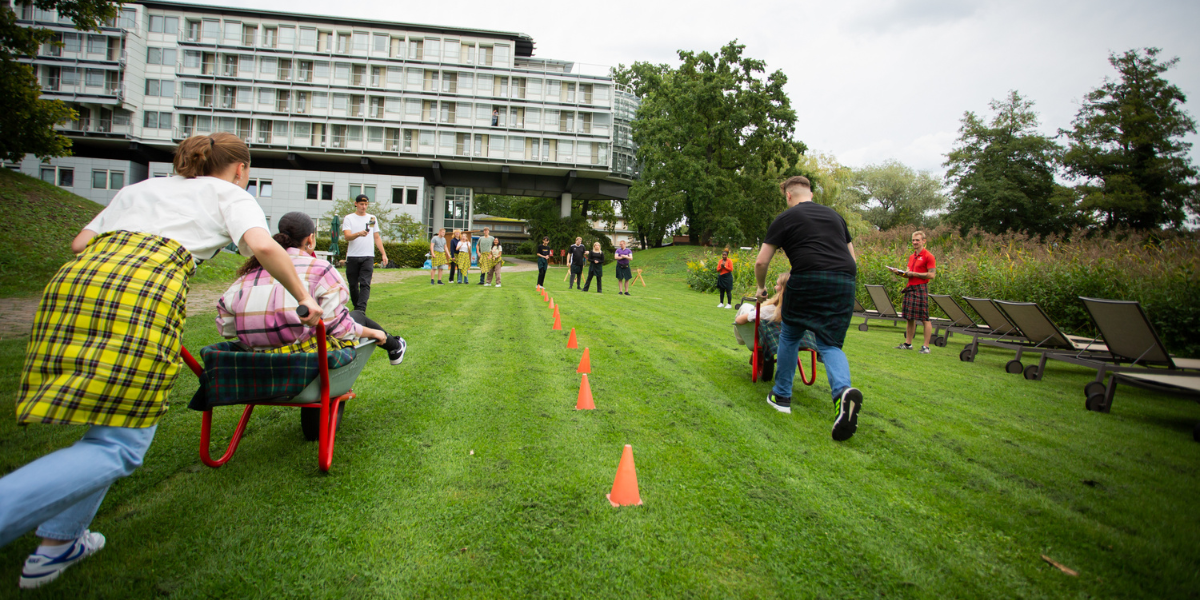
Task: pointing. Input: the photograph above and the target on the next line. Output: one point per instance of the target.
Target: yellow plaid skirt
(309, 346)
(464, 261)
(439, 259)
(106, 337)
(485, 261)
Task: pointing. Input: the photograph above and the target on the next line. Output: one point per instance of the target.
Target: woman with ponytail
(104, 350)
(260, 312)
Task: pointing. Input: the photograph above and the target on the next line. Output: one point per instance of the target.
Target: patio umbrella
(334, 232)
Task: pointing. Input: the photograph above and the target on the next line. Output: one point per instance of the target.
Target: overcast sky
(869, 80)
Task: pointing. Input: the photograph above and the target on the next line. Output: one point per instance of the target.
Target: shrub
(525, 247)
(702, 270)
(410, 254)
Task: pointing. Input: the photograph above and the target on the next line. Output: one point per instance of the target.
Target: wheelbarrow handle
(301, 311)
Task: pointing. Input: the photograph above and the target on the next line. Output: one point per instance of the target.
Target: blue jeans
(60, 492)
(837, 368)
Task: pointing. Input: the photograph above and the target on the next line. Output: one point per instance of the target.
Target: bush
(409, 255)
(525, 247)
(702, 270)
(1160, 271)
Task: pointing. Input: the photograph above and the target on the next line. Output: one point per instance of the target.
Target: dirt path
(18, 312)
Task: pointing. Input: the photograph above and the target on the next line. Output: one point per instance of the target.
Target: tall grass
(1159, 271)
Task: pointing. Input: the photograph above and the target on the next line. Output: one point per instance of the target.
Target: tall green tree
(832, 183)
(1002, 174)
(708, 133)
(1126, 143)
(892, 193)
(26, 120)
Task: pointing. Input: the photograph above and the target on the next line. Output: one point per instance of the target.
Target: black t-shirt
(543, 250)
(596, 259)
(577, 252)
(814, 237)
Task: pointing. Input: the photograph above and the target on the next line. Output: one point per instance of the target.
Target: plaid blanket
(234, 376)
(915, 306)
(768, 337)
(105, 343)
(820, 302)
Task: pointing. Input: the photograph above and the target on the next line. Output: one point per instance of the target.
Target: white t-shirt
(767, 311)
(464, 246)
(365, 245)
(203, 214)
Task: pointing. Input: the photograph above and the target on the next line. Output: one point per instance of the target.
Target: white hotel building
(418, 116)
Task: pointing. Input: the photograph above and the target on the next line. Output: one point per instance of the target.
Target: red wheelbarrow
(761, 361)
(320, 403)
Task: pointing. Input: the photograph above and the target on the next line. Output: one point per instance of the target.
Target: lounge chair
(1044, 337)
(884, 311)
(995, 326)
(959, 321)
(1138, 355)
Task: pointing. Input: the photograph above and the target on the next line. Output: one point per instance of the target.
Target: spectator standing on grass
(595, 260)
(87, 363)
(543, 256)
(819, 297)
(496, 260)
(725, 280)
(575, 260)
(452, 248)
(484, 248)
(921, 269)
(359, 228)
(623, 256)
(439, 256)
(464, 257)
(257, 310)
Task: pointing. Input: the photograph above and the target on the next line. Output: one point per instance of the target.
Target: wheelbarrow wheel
(310, 421)
(768, 370)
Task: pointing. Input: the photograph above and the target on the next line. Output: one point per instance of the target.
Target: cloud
(903, 15)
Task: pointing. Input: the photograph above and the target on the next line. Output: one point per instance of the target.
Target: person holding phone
(359, 228)
(105, 346)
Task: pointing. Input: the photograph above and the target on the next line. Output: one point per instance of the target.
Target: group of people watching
(455, 250)
(578, 255)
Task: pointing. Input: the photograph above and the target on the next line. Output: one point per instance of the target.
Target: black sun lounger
(959, 322)
(995, 326)
(1138, 355)
(1044, 337)
(884, 311)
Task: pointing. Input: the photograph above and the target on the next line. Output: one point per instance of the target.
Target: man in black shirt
(819, 297)
(543, 254)
(576, 259)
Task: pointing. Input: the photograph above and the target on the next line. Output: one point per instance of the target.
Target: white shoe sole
(782, 409)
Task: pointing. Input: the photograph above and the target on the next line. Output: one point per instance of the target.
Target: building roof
(479, 217)
(523, 43)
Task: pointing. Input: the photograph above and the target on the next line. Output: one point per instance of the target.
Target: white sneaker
(40, 569)
(728, 306)
(497, 285)
(720, 305)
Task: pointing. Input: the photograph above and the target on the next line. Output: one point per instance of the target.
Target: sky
(870, 81)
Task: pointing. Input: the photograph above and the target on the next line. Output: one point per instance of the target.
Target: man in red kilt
(920, 271)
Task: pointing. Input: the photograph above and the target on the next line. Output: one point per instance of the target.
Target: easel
(639, 278)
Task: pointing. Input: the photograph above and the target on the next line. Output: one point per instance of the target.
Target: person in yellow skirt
(463, 258)
(439, 255)
(104, 350)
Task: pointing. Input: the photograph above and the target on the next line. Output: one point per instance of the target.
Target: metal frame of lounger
(1131, 339)
(959, 322)
(1044, 337)
(1182, 384)
(879, 314)
(998, 327)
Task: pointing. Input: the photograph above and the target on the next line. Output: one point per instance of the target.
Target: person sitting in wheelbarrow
(255, 308)
(769, 319)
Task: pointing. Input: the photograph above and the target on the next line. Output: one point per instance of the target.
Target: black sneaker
(397, 356)
(904, 346)
(440, 282)
(431, 282)
(779, 403)
(847, 421)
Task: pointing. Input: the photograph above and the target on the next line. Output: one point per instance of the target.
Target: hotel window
(268, 65)
(396, 47)
(160, 56)
(270, 37)
(416, 49)
(193, 31)
(164, 88)
(339, 102)
(585, 90)
(304, 71)
(308, 38)
(432, 48)
(72, 42)
(321, 69)
(324, 39)
(484, 84)
(377, 76)
(568, 93)
(264, 131)
(211, 29)
(431, 81)
(191, 59)
(356, 106)
(285, 69)
(97, 44)
(412, 108)
(518, 87)
(426, 139)
(260, 188)
(156, 24)
(466, 82)
(283, 100)
(392, 105)
(446, 143)
(358, 74)
(319, 191)
(485, 56)
(375, 135)
(287, 37)
(354, 133)
(501, 55)
(376, 107)
(397, 195)
(266, 96)
(502, 87)
(70, 76)
(428, 108)
(358, 188)
(245, 94)
(448, 112)
(249, 32)
(104, 179)
(450, 82)
(65, 176)
(452, 51)
(302, 102)
(361, 41)
(414, 79)
(343, 43)
(379, 44)
(233, 32)
(246, 64)
(229, 65)
(408, 140)
(341, 71)
(320, 100)
(128, 18)
(94, 78)
(156, 120)
(468, 53)
(395, 75)
(190, 91)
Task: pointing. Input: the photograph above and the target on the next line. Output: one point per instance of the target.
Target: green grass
(960, 478)
(37, 227)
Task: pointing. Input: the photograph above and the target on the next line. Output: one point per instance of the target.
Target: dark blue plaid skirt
(821, 302)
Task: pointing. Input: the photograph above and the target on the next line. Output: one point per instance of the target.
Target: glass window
(97, 44)
(246, 63)
(267, 66)
(426, 138)
(191, 59)
(360, 41)
(72, 42)
(432, 49)
(375, 134)
(266, 96)
(48, 174)
(210, 29)
(94, 78)
(99, 180)
(191, 90)
(320, 100)
(116, 180)
(341, 71)
(287, 37)
(452, 48)
(339, 101)
(66, 177)
(244, 94)
(397, 195)
(308, 37)
(380, 43)
(392, 105)
(410, 196)
(395, 75)
(354, 133)
(321, 69)
(156, 24)
(233, 32)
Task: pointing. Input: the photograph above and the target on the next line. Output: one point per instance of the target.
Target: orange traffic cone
(625, 486)
(585, 396)
(552, 304)
(571, 343)
(557, 323)
(585, 363)
(556, 312)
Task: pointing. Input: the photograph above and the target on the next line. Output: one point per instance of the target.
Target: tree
(831, 186)
(1126, 143)
(27, 121)
(895, 194)
(1002, 174)
(394, 224)
(708, 132)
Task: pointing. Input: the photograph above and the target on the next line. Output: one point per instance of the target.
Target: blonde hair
(920, 233)
(777, 299)
(203, 155)
(793, 182)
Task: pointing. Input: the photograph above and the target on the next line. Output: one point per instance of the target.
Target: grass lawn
(466, 471)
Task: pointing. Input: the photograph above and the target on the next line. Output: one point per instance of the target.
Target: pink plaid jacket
(261, 314)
